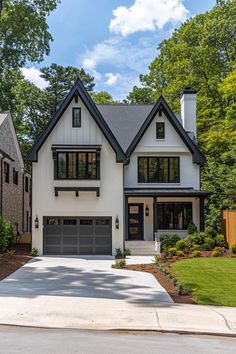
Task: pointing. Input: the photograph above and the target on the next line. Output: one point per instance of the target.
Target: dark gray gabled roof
(129, 123)
(125, 120)
(78, 90)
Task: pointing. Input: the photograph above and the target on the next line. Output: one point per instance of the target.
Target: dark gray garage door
(73, 235)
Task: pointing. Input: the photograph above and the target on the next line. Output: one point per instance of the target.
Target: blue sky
(114, 40)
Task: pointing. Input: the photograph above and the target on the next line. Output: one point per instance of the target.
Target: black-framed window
(26, 184)
(15, 176)
(160, 130)
(6, 172)
(76, 117)
(77, 165)
(158, 169)
(174, 216)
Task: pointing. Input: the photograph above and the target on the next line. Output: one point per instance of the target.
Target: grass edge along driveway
(212, 280)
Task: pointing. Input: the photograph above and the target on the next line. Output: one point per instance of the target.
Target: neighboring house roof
(78, 90)
(122, 124)
(9, 145)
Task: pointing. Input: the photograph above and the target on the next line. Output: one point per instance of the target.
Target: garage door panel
(71, 235)
(70, 240)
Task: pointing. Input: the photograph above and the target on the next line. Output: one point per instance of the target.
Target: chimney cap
(188, 90)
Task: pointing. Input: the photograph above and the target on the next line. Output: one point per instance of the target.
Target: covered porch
(161, 211)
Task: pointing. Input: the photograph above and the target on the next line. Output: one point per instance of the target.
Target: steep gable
(78, 90)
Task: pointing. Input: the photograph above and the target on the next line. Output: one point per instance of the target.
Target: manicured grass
(212, 280)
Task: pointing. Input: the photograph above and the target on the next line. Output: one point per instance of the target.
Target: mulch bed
(164, 281)
(11, 264)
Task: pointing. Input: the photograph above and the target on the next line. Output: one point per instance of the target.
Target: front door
(135, 222)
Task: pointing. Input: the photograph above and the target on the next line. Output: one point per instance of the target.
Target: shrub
(168, 241)
(233, 248)
(184, 290)
(192, 228)
(180, 253)
(197, 238)
(196, 247)
(6, 233)
(119, 252)
(120, 263)
(220, 241)
(182, 245)
(9, 254)
(209, 244)
(127, 252)
(34, 252)
(173, 251)
(157, 259)
(217, 251)
(196, 253)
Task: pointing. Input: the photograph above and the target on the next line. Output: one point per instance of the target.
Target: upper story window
(160, 130)
(26, 184)
(6, 172)
(158, 169)
(77, 165)
(15, 176)
(76, 117)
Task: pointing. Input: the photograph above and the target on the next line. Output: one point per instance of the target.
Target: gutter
(1, 199)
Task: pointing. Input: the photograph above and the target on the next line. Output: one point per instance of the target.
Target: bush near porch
(211, 280)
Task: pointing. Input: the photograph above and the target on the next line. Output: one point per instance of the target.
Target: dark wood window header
(153, 169)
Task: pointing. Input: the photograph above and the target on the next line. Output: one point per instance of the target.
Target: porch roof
(165, 192)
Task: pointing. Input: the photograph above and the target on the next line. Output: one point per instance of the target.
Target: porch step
(141, 248)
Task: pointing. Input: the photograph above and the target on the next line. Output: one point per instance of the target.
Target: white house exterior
(103, 175)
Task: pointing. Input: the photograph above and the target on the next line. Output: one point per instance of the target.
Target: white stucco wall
(110, 202)
(172, 145)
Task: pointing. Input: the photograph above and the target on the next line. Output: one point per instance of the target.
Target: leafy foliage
(168, 241)
(6, 233)
(201, 54)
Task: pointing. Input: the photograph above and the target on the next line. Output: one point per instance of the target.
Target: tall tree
(24, 34)
(103, 97)
(60, 80)
(202, 54)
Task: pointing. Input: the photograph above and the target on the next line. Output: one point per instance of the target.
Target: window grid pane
(158, 169)
(174, 216)
(76, 112)
(160, 130)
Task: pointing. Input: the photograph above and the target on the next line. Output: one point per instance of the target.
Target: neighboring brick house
(14, 179)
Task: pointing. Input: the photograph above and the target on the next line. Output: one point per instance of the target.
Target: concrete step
(141, 248)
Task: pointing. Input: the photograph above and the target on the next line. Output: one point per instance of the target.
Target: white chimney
(189, 110)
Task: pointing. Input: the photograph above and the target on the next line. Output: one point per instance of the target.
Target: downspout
(23, 201)
(1, 201)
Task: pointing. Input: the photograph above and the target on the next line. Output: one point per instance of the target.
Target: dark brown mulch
(11, 264)
(164, 281)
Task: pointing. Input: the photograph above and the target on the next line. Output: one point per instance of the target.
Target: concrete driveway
(62, 291)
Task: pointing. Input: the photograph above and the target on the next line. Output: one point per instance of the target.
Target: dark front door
(135, 221)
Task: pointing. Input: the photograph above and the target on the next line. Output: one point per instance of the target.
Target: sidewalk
(106, 314)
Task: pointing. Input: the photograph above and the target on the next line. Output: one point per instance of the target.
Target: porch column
(154, 217)
(201, 213)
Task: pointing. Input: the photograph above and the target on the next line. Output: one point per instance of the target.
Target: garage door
(77, 236)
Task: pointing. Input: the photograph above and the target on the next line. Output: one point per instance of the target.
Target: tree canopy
(201, 54)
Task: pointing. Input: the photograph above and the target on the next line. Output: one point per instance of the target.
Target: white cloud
(147, 15)
(33, 75)
(112, 78)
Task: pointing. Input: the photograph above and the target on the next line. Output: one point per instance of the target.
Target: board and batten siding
(110, 202)
(172, 145)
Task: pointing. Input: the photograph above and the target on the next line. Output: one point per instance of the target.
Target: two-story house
(107, 174)
(14, 179)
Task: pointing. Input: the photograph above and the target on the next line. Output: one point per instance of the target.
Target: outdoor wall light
(117, 223)
(36, 222)
(147, 211)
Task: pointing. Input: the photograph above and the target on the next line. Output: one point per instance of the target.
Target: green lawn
(212, 280)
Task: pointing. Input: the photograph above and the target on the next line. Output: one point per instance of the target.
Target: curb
(124, 330)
